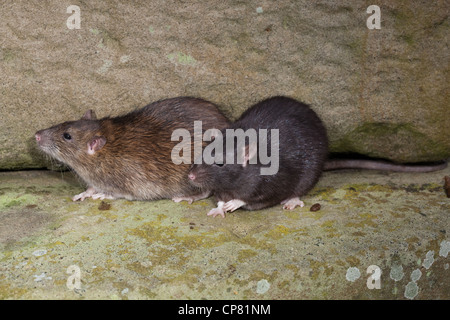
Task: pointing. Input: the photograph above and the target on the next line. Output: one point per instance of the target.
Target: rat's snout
(41, 138)
(197, 176)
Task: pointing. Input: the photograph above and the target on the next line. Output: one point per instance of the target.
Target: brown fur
(135, 162)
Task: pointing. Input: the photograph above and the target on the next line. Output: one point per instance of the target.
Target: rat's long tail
(383, 165)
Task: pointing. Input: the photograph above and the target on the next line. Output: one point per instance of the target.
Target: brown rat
(299, 139)
(130, 156)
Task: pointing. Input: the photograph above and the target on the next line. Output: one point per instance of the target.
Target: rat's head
(73, 141)
(222, 169)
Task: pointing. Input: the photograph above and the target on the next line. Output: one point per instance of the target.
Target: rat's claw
(91, 192)
(78, 197)
(233, 205)
(87, 194)
(216, 211)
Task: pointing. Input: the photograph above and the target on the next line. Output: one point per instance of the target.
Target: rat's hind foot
(233, 205)
(290, 204)
(191, 199)
(91, 192)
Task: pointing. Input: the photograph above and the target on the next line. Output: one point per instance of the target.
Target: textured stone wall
(383, 93)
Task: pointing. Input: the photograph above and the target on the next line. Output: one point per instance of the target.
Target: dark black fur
(302, 154)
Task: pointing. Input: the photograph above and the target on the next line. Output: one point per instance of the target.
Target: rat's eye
(67, 136)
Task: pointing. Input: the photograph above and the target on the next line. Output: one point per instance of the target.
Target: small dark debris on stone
(104, 206)
(447, 185)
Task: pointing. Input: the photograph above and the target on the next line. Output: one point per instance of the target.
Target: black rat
(129, 156)
(302, 156)
(302, 152)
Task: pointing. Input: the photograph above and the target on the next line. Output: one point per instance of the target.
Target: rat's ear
(249, 154)
(89, 115)
(96, 144)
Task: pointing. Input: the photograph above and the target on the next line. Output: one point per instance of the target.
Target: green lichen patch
(14, 199)
(246, 254)
(278, 232)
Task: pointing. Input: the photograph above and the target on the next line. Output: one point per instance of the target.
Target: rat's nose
(38, 136)
(191, 176)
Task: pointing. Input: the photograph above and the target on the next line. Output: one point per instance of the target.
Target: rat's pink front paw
(233, 205)
(92, 193)
(216, 211)
(179, 199)
(87, 194)
(102, 196)
(193, 198)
